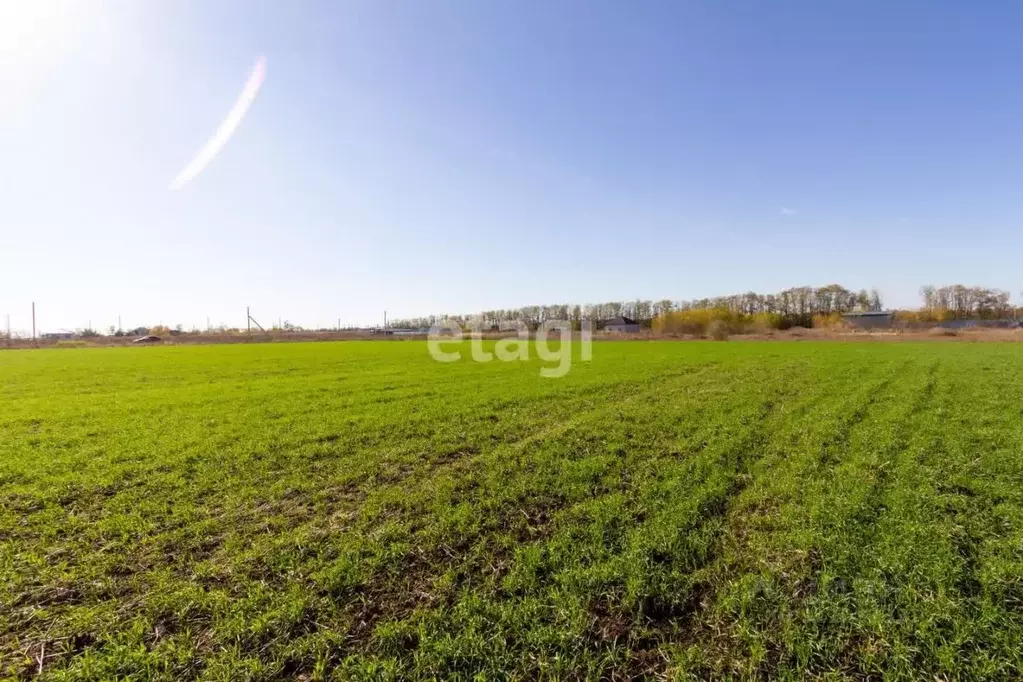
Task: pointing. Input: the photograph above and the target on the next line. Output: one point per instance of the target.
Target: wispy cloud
(788, 211)
(226, 128)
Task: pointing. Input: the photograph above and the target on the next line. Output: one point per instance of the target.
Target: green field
(356, 510)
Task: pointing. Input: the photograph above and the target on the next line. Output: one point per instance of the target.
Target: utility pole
(118, 323)
(385, 319)
(33, 320)
(248, 320)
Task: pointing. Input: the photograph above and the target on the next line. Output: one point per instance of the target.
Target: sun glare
(32, 30)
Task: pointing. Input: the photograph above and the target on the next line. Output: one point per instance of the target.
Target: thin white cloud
(788, 211)
(227, 127)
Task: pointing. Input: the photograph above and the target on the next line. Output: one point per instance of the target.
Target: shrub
(761, 322)
(696, 321)
(830, 321)
(717, 330)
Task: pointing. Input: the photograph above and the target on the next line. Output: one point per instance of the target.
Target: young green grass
(359, 511)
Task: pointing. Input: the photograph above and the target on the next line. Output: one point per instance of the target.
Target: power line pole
(33, 320)
(248, 320)
(385, 319)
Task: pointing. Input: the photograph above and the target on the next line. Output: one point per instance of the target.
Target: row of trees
(793, 307)
(959, 302)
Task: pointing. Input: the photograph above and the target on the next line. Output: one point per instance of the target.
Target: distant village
(831, 306)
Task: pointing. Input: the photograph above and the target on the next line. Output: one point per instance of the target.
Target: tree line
(796, 306)
(959, 302)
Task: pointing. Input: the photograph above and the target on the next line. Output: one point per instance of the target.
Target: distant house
(622, 325)
(871, 319)
(59, 336)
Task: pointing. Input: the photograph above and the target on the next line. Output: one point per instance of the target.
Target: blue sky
(427, 157)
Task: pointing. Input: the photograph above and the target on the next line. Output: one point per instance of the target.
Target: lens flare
(226, 129)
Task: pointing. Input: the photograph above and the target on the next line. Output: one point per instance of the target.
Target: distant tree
(875, 305)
